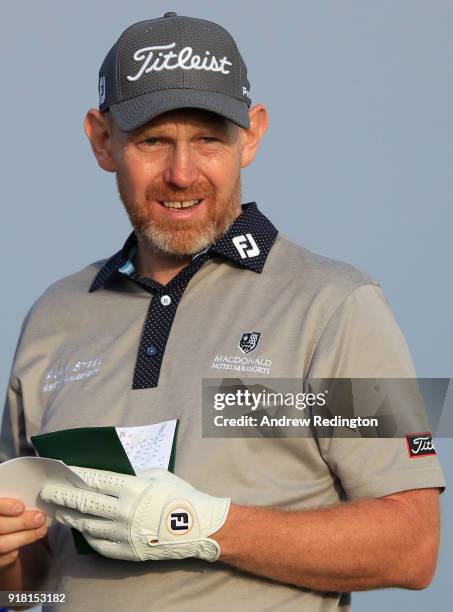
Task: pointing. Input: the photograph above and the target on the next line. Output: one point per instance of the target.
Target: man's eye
(209, 139)
(152, 141)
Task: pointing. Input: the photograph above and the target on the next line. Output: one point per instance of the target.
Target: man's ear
(99, 132)
(259, 121)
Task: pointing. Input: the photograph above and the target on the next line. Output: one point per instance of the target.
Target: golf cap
(173, 62)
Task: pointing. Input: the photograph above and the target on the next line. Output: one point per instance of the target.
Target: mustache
(161, 192)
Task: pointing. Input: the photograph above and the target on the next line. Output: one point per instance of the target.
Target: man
(283, 523)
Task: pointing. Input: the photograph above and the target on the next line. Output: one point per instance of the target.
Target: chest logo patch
(241, 363)
(249, 341)
(70, 372)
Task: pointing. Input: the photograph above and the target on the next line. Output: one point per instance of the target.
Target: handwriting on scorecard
(148, 446)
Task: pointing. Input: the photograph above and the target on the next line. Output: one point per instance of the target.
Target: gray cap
(173, 62)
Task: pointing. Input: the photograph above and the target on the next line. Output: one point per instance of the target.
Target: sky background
(356, 164)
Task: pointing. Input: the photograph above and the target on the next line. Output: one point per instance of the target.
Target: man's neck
(153, 264)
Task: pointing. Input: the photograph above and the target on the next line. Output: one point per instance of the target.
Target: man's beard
(180, 238)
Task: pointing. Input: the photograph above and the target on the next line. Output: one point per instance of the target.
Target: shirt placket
(159, 321)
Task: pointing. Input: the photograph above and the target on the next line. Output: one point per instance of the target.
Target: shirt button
(165, 300)
(151, 351)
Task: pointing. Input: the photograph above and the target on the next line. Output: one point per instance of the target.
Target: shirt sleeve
(13, 442)
(363, 340)
(13, 438)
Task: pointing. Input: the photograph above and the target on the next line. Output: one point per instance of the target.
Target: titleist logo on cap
(185, 59)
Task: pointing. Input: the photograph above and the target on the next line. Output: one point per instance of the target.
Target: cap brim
(135, 112)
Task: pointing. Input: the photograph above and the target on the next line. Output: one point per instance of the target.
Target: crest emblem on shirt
(249, 341)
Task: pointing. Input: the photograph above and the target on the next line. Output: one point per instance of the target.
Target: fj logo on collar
(179, 521)
(249, 341)
(420, 444)
(246, 246)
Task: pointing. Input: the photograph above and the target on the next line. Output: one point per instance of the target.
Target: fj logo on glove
(420, 444)
(179, 521)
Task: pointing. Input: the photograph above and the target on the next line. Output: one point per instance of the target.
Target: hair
(108, 117)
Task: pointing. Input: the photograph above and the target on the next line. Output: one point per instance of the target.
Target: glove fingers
(84, 501)
(103, 481)
(96, 527)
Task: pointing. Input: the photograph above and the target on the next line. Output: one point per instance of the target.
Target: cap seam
(119, 41)
(180, 26)
(238, 69)
(117, 80)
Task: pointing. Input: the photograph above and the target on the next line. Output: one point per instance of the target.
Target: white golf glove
(133, 518)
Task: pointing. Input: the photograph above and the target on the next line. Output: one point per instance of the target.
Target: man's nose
(181, 169)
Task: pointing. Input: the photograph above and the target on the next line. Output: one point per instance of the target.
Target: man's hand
(132, 518)
(18, 528)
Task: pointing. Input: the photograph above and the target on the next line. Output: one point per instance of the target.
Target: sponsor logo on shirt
(420, 444)
(249, 341)
(71, 372)
(239, 363)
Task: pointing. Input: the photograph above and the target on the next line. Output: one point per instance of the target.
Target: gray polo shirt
(105, 347)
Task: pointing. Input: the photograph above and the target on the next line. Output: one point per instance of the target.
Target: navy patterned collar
(247, 243)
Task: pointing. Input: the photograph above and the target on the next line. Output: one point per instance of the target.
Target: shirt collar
(247, 243)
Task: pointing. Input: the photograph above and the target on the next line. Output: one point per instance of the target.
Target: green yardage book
(102, 449)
